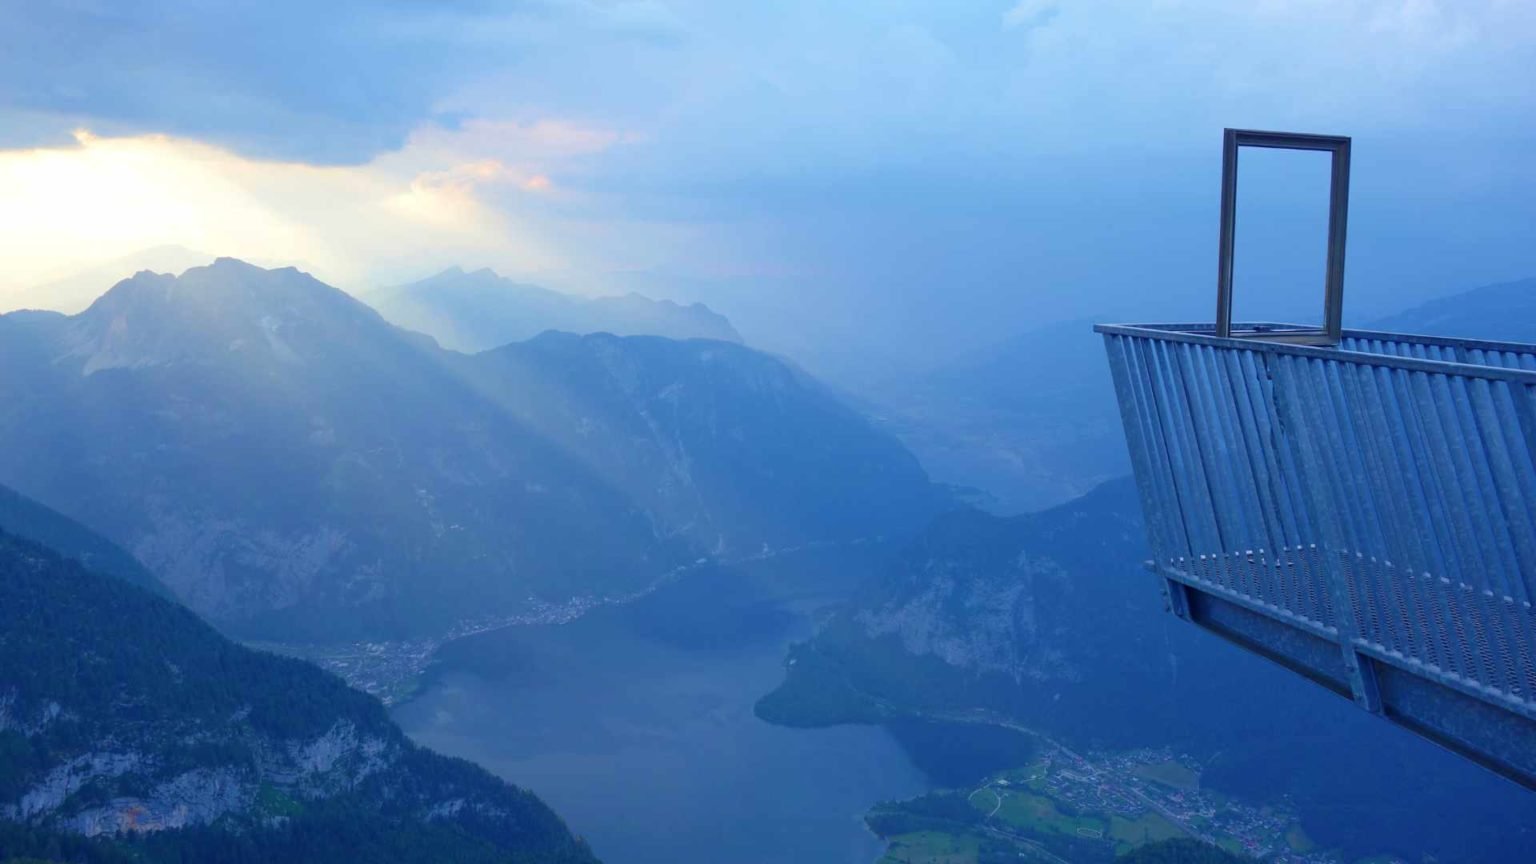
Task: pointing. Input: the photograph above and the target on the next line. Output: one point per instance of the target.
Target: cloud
(334, 82)
(844, 153)
(343, 81)
(1029, 14)
(476, 194)
(642, 18)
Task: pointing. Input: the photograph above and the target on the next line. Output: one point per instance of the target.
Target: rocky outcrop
(191, 798)
(174, 797)
(982, 622)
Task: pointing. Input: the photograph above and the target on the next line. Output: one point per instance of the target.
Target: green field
(1150, 827)
(1170, 774)
(1026, 812)
(273, 803)
(1032, 778)
(1230, 845)
(985, 799)
(1298, 840)
(931, 847)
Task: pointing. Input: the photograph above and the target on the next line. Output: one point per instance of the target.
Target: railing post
(1316, 476)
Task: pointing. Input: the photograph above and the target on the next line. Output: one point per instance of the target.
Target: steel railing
(1364, 513)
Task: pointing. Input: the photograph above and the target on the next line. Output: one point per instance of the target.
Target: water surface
(636, 725)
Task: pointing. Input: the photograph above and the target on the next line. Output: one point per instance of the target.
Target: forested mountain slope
(130, 730)
(29, 520)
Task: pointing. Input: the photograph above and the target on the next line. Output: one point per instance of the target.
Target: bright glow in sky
(910, 169)
(421, 206)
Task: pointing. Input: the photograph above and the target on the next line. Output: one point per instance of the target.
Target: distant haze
(869, 188)
(481, 310)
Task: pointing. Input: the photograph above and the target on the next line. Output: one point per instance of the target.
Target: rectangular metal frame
(1338, 217)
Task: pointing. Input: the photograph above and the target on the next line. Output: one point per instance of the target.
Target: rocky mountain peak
(226, 308)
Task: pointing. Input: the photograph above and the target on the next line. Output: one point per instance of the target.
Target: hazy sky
(841, 178)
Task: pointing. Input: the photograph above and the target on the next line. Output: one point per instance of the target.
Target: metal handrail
(1189, 333)
(1359, 506)
(1372, 515)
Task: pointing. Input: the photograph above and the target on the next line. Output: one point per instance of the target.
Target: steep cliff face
(1011, 597)
(729, 448)
(992, 624)
(294, 467)
(1027, 617)
(125, 782)
(134, 788)
(124, 718)
(25, 518)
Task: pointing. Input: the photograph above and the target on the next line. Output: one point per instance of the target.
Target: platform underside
(1363, 512)
(1412, 661)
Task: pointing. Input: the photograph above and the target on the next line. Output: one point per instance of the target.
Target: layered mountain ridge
(1505, 312)
(1030, 421)
(479, 310)
(291, 465)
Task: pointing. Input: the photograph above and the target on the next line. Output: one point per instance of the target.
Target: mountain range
(75, 291)
(1505, 312)
(1030, 422)
(131, 731)
(479, 310)
(292, 466)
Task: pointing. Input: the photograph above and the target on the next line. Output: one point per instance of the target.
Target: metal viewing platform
(1361, 509)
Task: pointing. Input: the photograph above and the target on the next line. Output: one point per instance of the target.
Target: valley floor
(392, 670)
